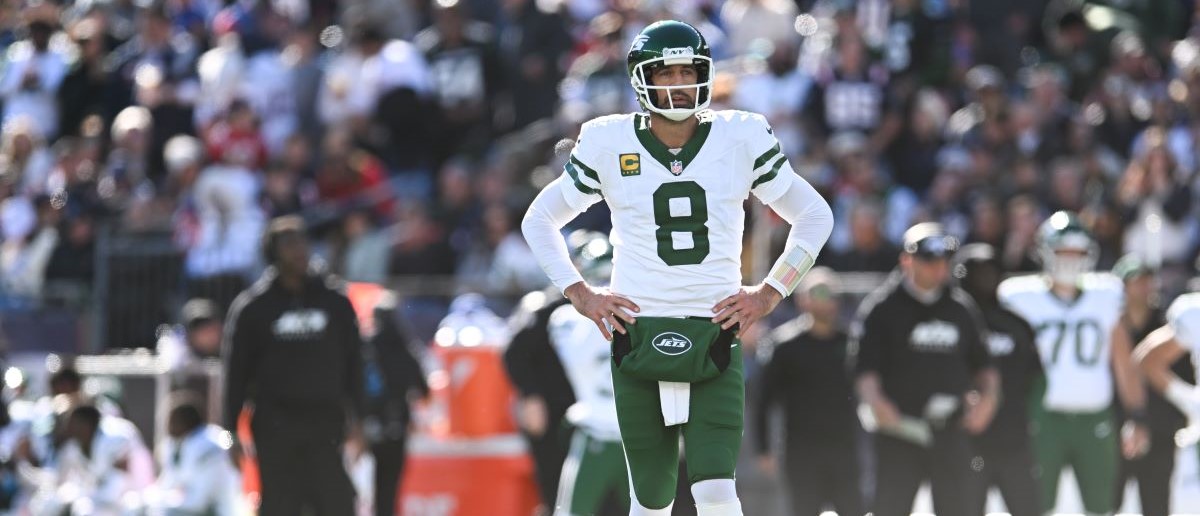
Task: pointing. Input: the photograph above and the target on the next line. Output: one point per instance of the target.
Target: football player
(1084, 349)
(595, 465)
(675, 178)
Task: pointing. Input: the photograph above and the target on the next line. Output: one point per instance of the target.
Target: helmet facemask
(647, 92)
(1068, 269)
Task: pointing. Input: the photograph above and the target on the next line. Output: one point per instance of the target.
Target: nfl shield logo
(676, 167)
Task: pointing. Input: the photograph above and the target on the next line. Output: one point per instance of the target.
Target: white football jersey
(1073, 337)
(584, 354)
(1183, 316)
(677, 214)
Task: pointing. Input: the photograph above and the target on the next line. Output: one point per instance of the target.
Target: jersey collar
(659, 151)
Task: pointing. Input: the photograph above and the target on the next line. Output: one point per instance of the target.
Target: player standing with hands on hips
(675, 179)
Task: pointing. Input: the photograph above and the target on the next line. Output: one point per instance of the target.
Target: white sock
(636, 509)
(716, 497)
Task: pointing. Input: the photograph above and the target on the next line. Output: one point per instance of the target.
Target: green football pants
(712, 436)
(1085, 441)
(594, 468)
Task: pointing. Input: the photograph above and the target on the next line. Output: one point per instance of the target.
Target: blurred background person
(1004, 449)
(805, 374)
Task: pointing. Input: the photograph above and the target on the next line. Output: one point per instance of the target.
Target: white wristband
(789, 269)
(1184, 396)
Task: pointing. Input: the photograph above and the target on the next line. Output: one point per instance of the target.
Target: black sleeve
(355, 393)
(404, 373)
(768, 389)
(868, 339)
(1028, 341)
(522, 356)
(238, 355)
(974, 341)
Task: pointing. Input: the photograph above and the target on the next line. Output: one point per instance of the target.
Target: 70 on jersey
(693, 223)
(1085, 335)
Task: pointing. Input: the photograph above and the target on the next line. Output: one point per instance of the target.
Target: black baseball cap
(929, 241)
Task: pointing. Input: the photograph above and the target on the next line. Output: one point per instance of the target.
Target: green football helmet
(666, 43)
(1063, 231)
(593, 254)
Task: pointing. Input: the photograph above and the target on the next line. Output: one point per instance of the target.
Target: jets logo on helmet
(1066, 249)
(668, 43)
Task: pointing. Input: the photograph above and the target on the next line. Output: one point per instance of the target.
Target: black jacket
(530, 359)
(1013, 345)
(297, 357)
(807, 376)
(918, 350)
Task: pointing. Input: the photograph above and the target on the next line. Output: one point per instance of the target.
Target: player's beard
(679, 98)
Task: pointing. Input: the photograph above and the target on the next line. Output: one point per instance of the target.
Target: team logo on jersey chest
(631, 164)
(671, 343)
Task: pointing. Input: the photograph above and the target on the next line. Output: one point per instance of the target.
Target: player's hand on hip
(746, 307)
(602, 307)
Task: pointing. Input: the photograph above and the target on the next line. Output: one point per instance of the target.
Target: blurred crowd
(412, 134)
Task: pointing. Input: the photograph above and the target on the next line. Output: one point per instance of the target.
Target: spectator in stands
(235, 140)
(420, 245)
(349, 176)
(157, 70)
(294, 351)
(360, 250)
(750, 23)
(869, 251)
(356, 79)
(23, 152)
(128, 163)
(1024, 215)
(804, 374)
(536, 43)
(33, 75)
(221, 252)
(23, 260)
(851, 94)
(861, 178)
(467, 78)
(1156, 204)
(81, 94)
(779, 90)
(71, 269)
(913, 156)
(596, 81)
(196, 476)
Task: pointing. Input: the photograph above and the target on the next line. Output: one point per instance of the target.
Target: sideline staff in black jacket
(918, 351)
(293, 349)
(1006, 447)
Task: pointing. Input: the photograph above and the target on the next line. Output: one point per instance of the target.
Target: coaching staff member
(922, 367)
(1005, 447)
(292, 349)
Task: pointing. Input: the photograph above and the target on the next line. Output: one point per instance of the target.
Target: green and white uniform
(1072, 419)
(595, 465)
(677, 217)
